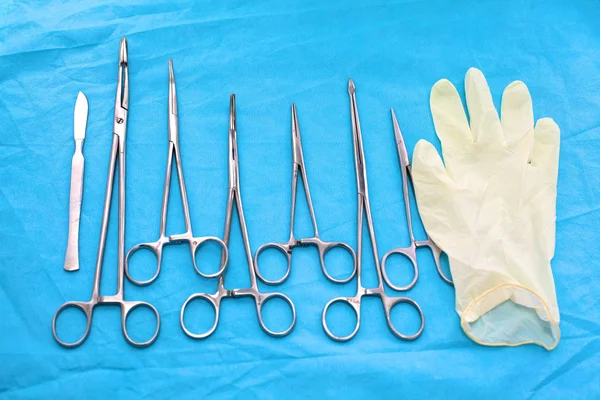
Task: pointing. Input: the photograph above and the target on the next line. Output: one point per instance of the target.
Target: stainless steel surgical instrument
(286, 248)
(410, 252)
(77, 163)
(364, 209)
(186, 237)
(214, 299)
(117, 155)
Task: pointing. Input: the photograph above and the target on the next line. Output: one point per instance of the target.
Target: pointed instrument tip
(351, 87)
(172, 90)
(232, 112)
(402, 152)
(397, 131)
(294, 121)
(123, 52)
(171, 73)
(393, 116)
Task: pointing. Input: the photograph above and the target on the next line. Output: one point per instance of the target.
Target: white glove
(491, 207)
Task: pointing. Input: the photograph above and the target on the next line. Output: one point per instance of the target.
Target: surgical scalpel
(77, 164)
(364, 209)
(234, 198)
(117, 154)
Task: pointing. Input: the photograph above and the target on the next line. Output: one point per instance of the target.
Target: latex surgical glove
(491, 207)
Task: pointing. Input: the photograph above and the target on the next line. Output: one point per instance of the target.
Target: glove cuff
(511, 315)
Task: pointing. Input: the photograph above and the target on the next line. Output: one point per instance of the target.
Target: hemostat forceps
(188, 236)
(364, 208)
(117, 154)
(410, 252)
(286, 248)
(234, 196)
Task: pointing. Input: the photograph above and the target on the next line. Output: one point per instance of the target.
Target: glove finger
(433, 186)
(546, 144)
(427, 166)
(517, 113)
(485, 123)
(449, 118)
(434, 190)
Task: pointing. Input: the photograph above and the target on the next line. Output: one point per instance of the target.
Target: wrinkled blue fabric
(273, 53)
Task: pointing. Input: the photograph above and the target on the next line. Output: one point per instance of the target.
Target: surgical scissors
(117, 155)
(188, 236)
(364, 208)
(410, 252)
(286, 248)
(214, 299)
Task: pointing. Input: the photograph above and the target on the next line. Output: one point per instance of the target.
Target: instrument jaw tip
(232, 112)
(172, 90)
(123, 52)
(351, 87)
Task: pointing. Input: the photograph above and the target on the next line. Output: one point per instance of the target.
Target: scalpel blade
(81, 114)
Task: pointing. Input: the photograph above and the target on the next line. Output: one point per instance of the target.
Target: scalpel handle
(72, 257)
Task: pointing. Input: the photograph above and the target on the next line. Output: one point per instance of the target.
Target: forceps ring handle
(87, 308)
(388, 305)
(286, 249)
(354, 303)
(214, 301)
(195, 243)
(409, 253)
(156, 248)
(323, 247)
(437, 257)
(261, 299)
(126, 308)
